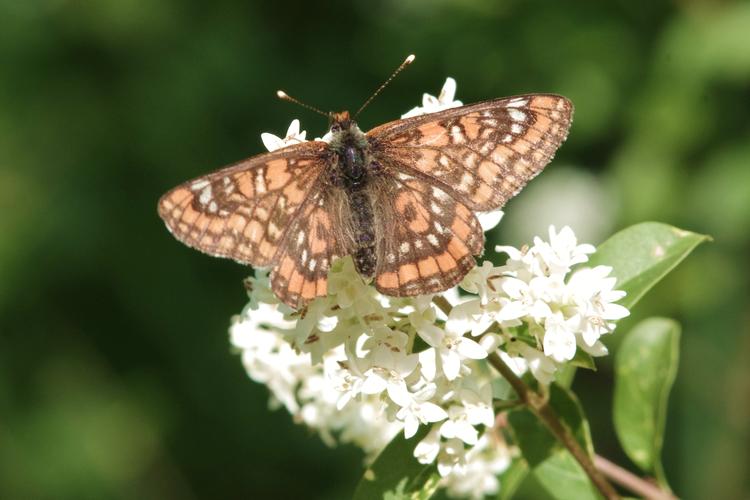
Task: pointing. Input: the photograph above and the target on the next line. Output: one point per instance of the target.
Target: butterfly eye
(335, 128)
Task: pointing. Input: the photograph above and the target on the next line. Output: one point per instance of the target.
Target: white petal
(615, 311)
(451, 364)
(430, 412)
(470, 349)
(448, 429)
(489, 220)
(559, 344)
(448, 92)
(511, 310)
(271, 142)
(461, 317)
(399, 394)
(427, 450)
(598, 349)
(431, 334)
(373, 384)
(467, 433)
(293, 130)
(411, 425)
(591, 334)
(427, 363)
(345, 398)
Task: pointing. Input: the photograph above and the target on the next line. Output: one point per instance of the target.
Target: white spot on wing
(404, 248)
(457, 135)
(516, 128)
(439, 194)
(260, 183)
(517, 115)
(205, 195)
(517, 103)
(198, 185)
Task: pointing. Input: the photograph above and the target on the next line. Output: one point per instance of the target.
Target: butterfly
(401, 199)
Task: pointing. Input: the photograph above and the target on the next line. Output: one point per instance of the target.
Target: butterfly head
(339, 121)
(344, 131)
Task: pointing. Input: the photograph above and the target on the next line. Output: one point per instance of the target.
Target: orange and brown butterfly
(400, 199)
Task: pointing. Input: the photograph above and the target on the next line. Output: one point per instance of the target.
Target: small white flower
(428, 448)
(431, 104)
(559, 337)
(592, 292)
(388, 373)
(293, 136)
(452, 457)
(563, 251)
(451, 349)
(416, 409)
(459, 426)
(539, 365)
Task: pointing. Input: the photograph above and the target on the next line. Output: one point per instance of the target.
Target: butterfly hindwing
(243, 211)
(426, 239)
(315, 238)
(483, 153)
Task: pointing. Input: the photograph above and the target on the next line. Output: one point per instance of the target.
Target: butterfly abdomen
(354, 177)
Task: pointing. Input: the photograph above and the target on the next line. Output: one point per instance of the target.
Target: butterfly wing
(443, 166)
(426, 238)
(314, 239)
(244, 211)
(482, 154)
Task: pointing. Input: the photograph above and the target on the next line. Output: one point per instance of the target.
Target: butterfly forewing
(483, 153)
(243, 211)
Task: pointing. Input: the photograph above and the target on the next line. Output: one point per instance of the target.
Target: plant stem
(628, 480)
(541, 408)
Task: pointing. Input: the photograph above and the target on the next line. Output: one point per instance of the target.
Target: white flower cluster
(544, 313)
(359, 367)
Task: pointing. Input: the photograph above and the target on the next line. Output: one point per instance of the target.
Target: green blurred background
(116, 377)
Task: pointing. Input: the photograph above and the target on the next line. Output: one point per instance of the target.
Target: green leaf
(512, 478)
(552, 465)
(645, 368)
(564, 478)
(641, 255)
(397, 475)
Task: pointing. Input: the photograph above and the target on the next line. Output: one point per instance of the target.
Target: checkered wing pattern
(315, 238)
(244, 211)
(481, 154)
(427, 239)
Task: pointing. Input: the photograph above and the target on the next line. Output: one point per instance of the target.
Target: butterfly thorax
(353, 173)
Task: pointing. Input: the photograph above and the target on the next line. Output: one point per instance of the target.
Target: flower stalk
(539, 406)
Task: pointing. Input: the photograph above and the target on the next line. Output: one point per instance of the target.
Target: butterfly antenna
(404, 64)
(286, 97)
